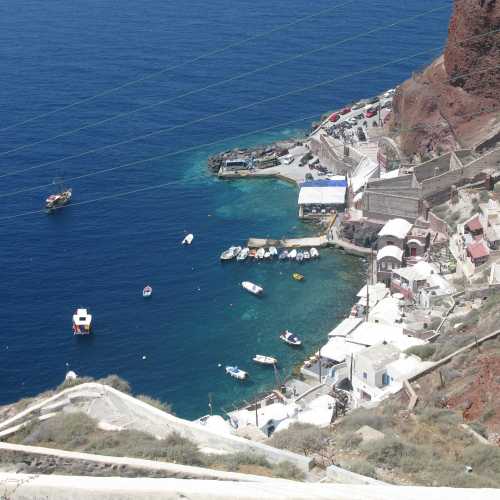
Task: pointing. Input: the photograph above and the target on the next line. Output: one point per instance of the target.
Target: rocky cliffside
(455, 101)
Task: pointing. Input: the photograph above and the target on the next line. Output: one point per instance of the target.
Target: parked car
(358, 105)
(370, 113)
(309, 177)
(360, 116)
(353, 120)
(373, 100)
(389, 93)
(287, 159)
(334, 117)
(387, 104)
(345, 111)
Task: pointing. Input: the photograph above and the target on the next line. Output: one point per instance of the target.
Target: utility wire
(206, 55)
(223, 113)
(221, 82)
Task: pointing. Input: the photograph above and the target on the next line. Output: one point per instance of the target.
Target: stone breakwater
(276, 149)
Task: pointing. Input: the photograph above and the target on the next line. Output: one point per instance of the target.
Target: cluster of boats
(238, 373)
(243, 253)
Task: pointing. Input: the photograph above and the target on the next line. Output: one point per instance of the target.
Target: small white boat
(267, 255)
(82, 322)
(292, 255)
(273, 251)
(290, 338)
(283, 255)
(235, 372)
(307, 255)
(314, 253)
(300, 257)
(147, 291)
(229, 254)
(252, 287)
(236, 250)
(188, 239)
(260, 253)
(243, 254)
(265, 360)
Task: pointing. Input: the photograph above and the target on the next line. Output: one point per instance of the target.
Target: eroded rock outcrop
(455, 101)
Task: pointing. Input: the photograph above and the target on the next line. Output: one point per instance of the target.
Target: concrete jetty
(318, 241)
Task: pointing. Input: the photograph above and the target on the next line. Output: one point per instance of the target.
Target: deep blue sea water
(100, 255)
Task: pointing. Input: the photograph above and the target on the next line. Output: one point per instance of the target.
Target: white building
(321, 197)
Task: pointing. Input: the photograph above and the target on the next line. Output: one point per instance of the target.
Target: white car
(287, 159)
(353, 120)
(389, 93)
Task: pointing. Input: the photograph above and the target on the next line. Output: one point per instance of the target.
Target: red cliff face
(455, 102)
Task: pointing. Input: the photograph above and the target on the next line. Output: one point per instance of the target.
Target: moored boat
(229, 254)
(260, 253)
(314, 253)
(292, 254)
(267, 255)
(298, 277)
(253, 253)
(273, 251)
(243, 254)
(290, 338)
(58, 200)
(265, 360)
(300, 257)
(252, 287)
(307, 255)
(283, 255)
(188, 239)
(147, 291)
(82, 322)
(236, 372)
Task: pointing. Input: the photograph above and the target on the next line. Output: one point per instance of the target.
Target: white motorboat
(82, 322)
(188, 239)
(273, 251)
(235, 372)
(265, 360)
(299, 257)
(236, 250)
(260, 253)
(290, 339)
(229, 254)
(147, 291)
(267, 255)
(252, 287)
(243, 254)
(314, 253)
(292, 255)
(307, 255)
(283, 255)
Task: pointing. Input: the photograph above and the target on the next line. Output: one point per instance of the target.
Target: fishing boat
(273, 251)
(300, 257)
(265, 360)
(314, 253)
(188, 239)
(267, 255)
(260, 253)
(243, 254)
(253, 253)
(58, 200)
(290, 339)
(147, 291)
(283, 255)
(307, 255)
(252, 287)
(235, 372)
(292, 255)
(298, 277)
(82, 322)
(230, 253)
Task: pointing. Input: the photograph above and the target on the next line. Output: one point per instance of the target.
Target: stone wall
(383, 206)
(431, 168)
(395, 183)
(438, 224)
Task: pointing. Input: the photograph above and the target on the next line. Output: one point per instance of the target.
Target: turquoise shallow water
(100, 255)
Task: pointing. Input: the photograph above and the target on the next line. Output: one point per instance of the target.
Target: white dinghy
(188, 239)
(252, 288)
(265, 360)
(236, 372)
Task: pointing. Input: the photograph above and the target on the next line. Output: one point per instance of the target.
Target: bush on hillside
(287, 470)
(362, 467)
(117, 383)
(389, 451)
(362, 416)
(422, 351)
(156, 403)
(484, 459)
(301, 438)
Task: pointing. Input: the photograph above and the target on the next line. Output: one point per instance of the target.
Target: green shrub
(440, 416)
(301, 438)
(348, 441)
(287, 470)
(389, 451)
(484, 196)
(484, 459)
(67, 431)
(422, 351)
(116, 382)
(156, 403)
(362, 416)
(362, 467)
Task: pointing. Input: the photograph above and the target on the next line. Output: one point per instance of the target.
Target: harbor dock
(318, 241)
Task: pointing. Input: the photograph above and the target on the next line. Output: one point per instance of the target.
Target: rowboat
(273, 251)
(235, 372)
(307, 255)
(265, 360)
(298, 277)
(243, 254)
(188, 239)
(283, 255)
(299, 257)
(252, 287)
(314, 253)
(260, 253)
(290, 339)
(147, 291)
(292, 254)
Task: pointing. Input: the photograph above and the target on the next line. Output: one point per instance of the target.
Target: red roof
(474, 224)
(477, 250)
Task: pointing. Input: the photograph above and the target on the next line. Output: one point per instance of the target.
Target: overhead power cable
(167, 69)
(221, 82)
